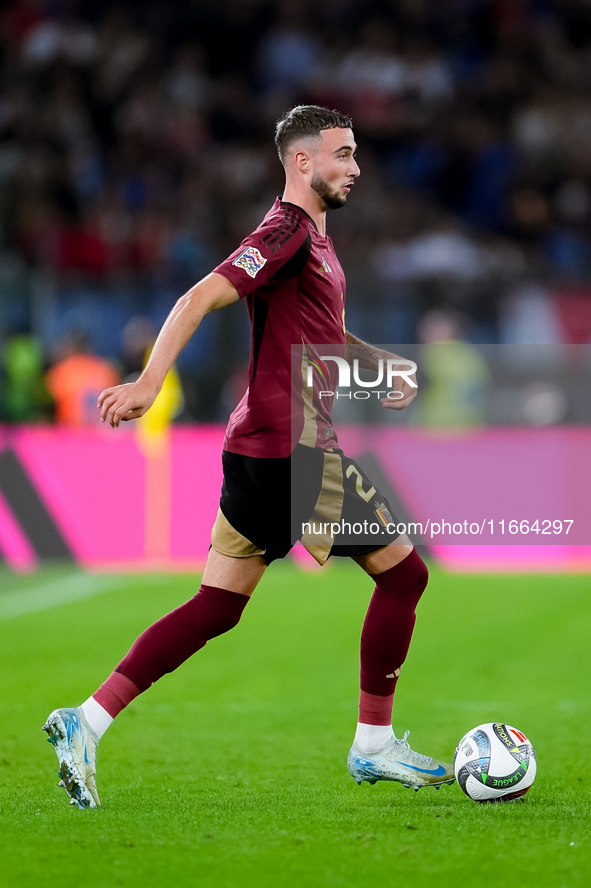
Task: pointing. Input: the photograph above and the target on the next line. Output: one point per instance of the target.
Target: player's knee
(408, 578)
(420, 571)
(416, 577)
(215, 611)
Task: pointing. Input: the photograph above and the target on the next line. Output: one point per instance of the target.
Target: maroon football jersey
(294, 287)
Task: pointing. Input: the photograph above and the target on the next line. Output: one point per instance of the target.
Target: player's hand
(120, 403)
(402, 394)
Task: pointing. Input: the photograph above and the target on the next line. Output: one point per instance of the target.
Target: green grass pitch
(232, 770)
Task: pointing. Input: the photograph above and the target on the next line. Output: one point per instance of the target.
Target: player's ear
(302, 161)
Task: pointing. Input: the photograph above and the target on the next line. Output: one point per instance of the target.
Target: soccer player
(279, 441)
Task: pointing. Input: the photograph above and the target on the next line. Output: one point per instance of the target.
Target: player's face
(335, 167)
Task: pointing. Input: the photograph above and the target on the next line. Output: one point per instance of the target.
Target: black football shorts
(320, 497)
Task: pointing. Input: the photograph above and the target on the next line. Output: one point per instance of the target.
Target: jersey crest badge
(250, 260)
(383, 513)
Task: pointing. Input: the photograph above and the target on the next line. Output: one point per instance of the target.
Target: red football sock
(169, 642)
(386, 635)
(116, 693)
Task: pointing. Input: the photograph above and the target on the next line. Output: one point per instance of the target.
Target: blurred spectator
(528, 316)
(371, 78)
(442, 250)
(53, 40)
(187, 83)
(24, 396)
(76, 380)
(122, 50)
(426, 79)
(139, 336)
(455, 396)
(289, 51)
(81, 248)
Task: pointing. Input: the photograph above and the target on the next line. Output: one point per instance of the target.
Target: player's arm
(369, 357)
(125, 402)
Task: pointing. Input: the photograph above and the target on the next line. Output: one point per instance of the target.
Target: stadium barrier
(100, 498)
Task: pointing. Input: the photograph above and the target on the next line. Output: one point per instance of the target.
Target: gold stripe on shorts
(328, 509)
(310, 429)
(228, 541)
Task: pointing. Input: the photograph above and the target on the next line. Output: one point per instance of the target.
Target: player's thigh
(239, 575)
(383, 559)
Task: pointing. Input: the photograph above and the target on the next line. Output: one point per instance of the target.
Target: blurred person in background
(455, 394)
(139, 336)
(76, 380)
(24, 397)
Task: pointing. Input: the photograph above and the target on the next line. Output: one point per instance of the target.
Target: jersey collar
(287, 203)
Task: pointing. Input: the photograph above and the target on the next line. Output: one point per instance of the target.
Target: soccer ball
(495, 763)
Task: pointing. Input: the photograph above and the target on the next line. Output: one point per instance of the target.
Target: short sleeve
(261, 256)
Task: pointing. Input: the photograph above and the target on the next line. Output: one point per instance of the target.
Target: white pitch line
(54, 593)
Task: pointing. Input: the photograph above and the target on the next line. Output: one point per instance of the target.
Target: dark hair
(306, 121)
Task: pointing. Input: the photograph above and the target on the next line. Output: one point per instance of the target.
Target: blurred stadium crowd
(136, 152)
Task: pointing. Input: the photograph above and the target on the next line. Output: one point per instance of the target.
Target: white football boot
(75, 744)
(397, 761)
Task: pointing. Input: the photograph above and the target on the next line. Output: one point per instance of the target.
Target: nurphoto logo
(388, 369)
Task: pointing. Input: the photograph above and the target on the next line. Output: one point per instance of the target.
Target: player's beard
(330, 198)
